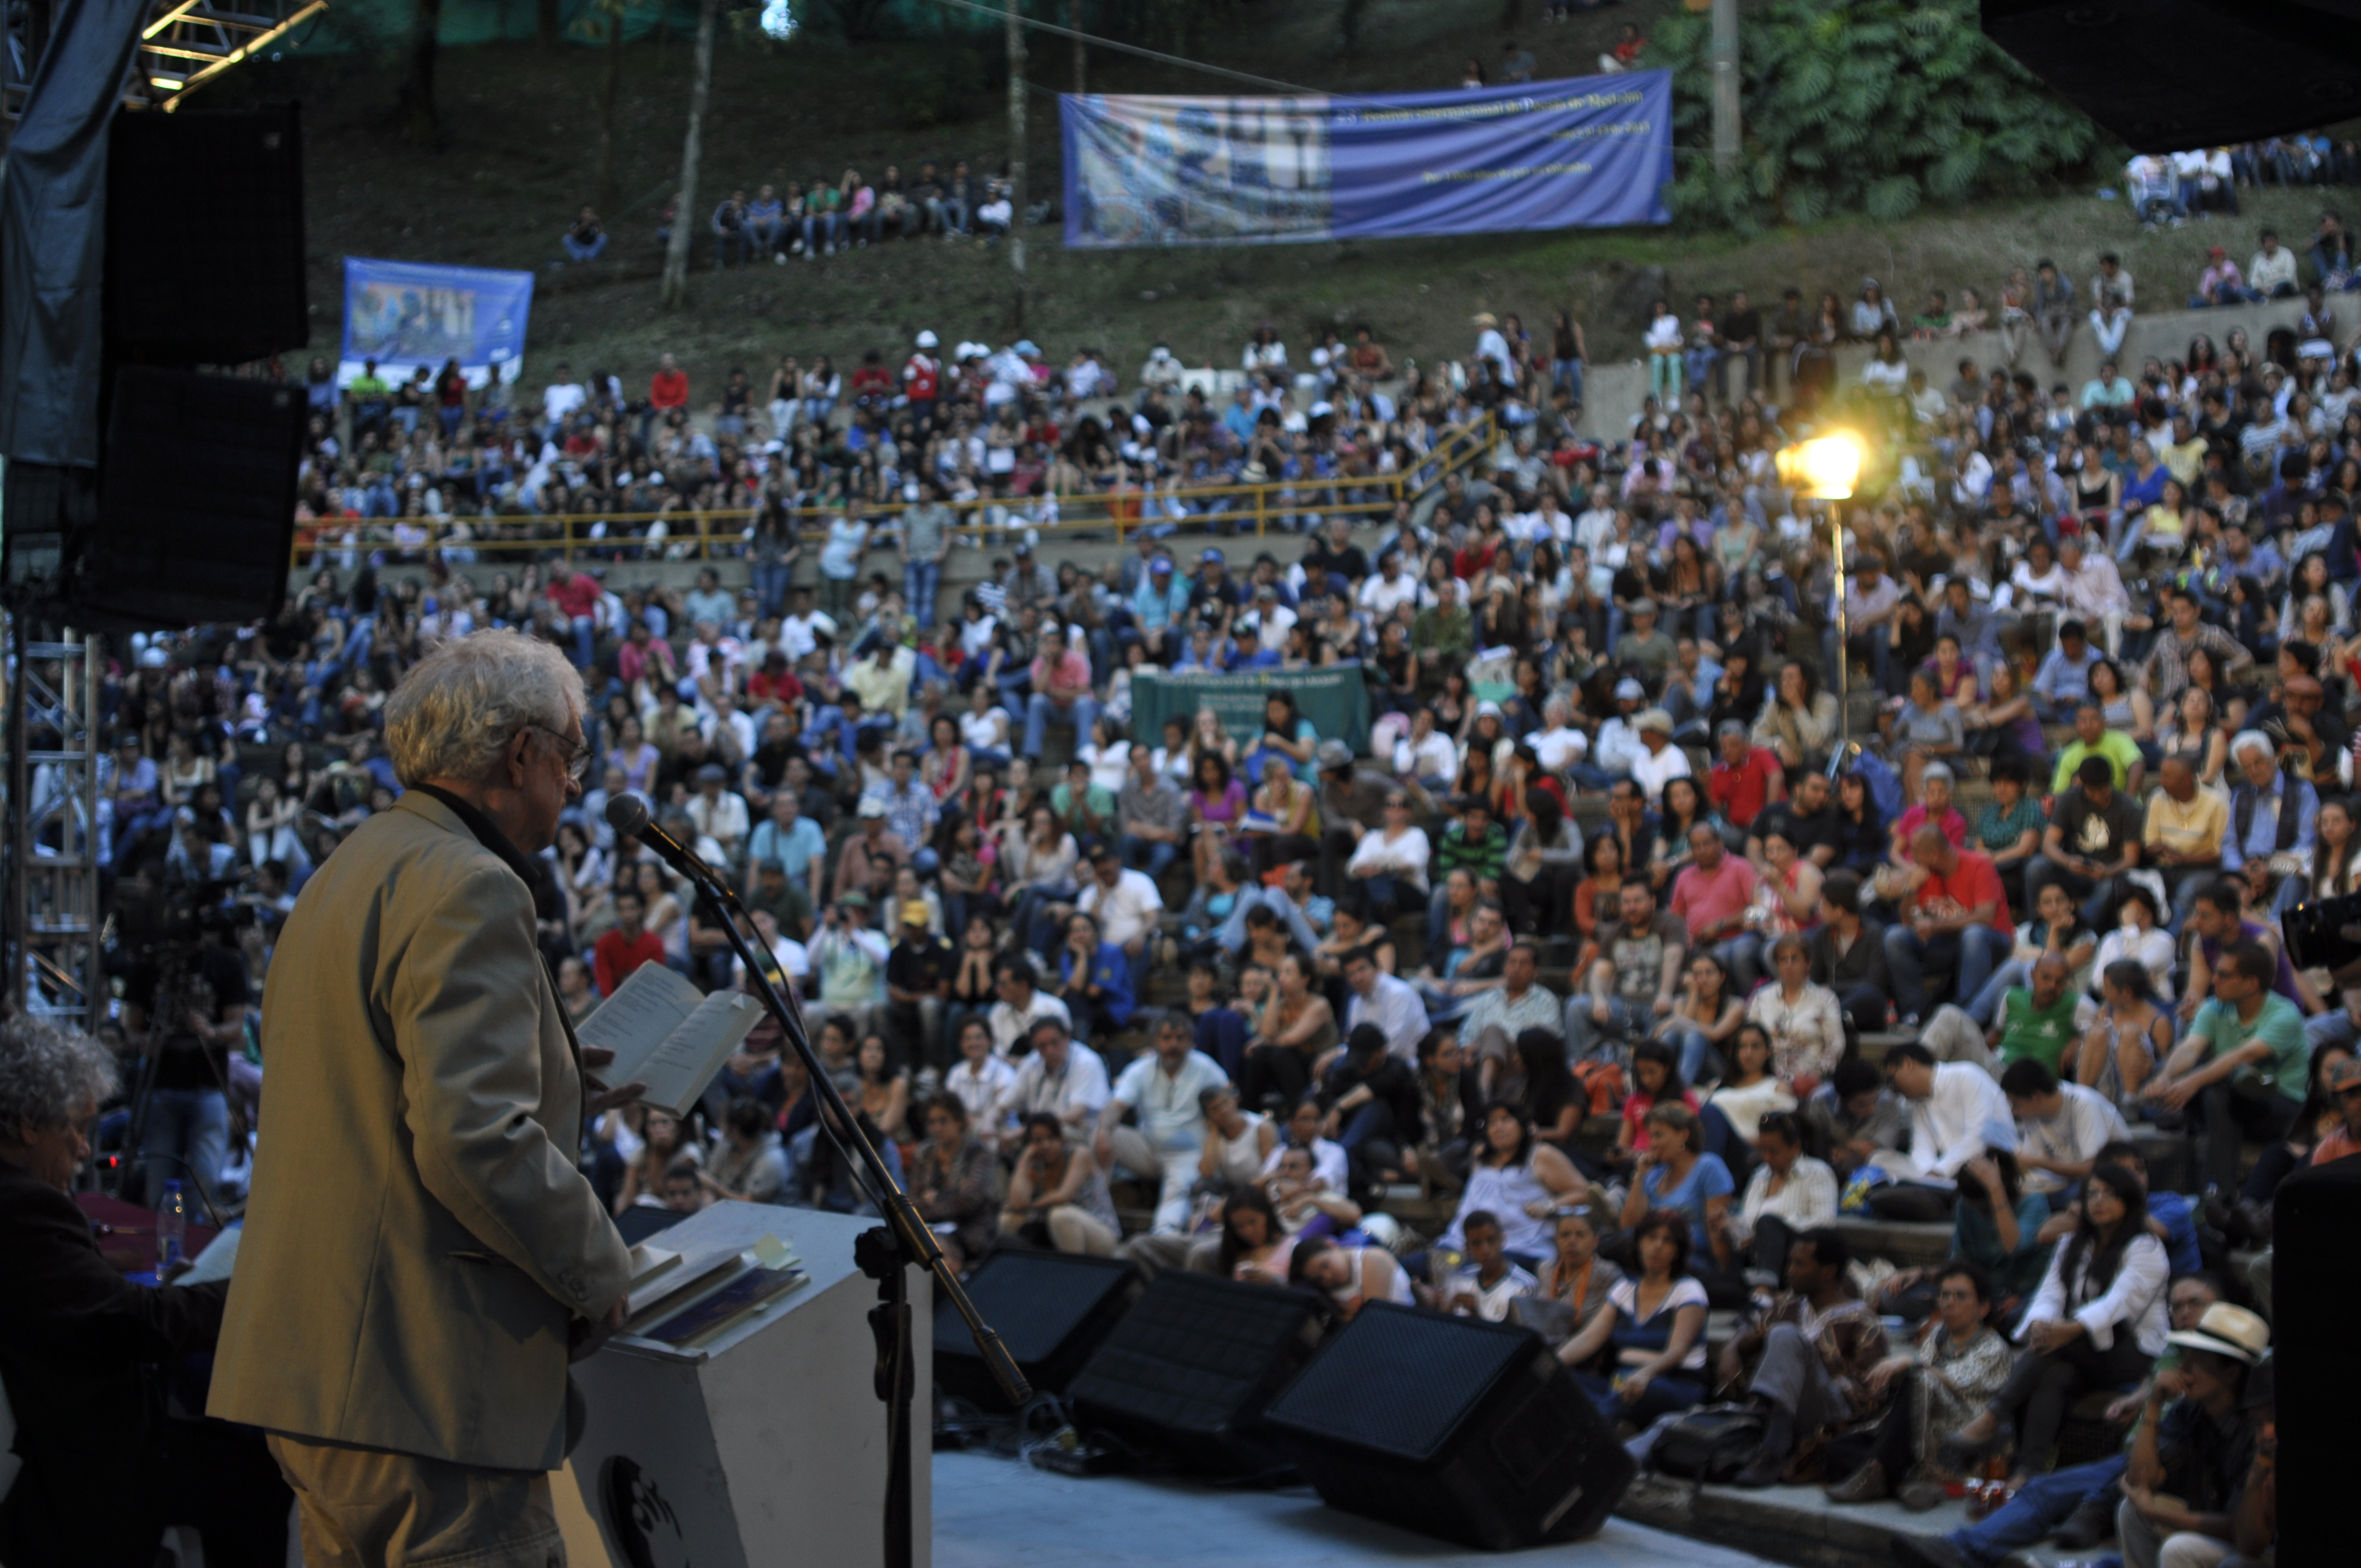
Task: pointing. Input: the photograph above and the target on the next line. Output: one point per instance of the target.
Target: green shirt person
(2039, 1021)
(2093, 739)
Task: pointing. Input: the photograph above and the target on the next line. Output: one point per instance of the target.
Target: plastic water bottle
(172, 1227)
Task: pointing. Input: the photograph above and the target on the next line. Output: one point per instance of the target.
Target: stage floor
(996, 1513)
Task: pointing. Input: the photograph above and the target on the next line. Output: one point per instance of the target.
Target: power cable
(1145, 53)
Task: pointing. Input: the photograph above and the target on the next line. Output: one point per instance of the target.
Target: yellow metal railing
(718, 532)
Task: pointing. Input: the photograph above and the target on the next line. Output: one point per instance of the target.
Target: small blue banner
(407, 314)
(1592, 151)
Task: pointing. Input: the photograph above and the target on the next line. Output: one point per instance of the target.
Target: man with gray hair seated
(424, 1255)
(105, 1470)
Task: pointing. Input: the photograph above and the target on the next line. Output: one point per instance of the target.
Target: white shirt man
(1383, 853)
(1383, 594)
(1390, 1002)
(1162, 1088)
(2070, 1130)
(1066, 1079)
(1126, 911)
(1021, 1005)
(1560, 746)
(1955, 1120)
(1659, 762)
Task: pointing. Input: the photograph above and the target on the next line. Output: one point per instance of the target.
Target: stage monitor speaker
(1188, 1370)
(2259, 68)
(196, 508)
(2315, 1279)
(204, 237)
(1452, 1427)
(1053, 1311)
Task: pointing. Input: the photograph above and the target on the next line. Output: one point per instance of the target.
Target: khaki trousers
(369, 1508)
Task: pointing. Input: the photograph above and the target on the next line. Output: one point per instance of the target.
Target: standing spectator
(2053, 308)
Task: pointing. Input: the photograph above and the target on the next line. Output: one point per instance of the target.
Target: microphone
(627, 814)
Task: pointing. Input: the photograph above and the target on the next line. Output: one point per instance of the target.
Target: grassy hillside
(520, 154)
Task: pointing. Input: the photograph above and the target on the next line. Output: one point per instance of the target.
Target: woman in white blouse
(2138, 940)
(1806, 1021)
(2098, 1321)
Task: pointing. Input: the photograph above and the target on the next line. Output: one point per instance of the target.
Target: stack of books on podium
(685, 1301)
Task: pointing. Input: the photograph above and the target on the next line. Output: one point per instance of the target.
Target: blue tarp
(1587, 152)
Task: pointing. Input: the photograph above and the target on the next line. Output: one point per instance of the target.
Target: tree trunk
(416, 99)
(1017, 146)
(1081, 51)
(675, 293)
(548, 26)
(610, 192)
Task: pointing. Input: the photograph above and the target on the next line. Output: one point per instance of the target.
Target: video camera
(2316, 933)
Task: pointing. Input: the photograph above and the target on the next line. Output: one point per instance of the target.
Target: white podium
(766, 1447)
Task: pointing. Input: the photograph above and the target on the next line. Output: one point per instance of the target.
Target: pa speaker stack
(1452, 1427)
(1053, 1311)
(191, 514)
(1187, 1373)
(2315, 1278)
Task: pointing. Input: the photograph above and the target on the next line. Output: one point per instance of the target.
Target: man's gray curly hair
(49, 1076)
(455, 712)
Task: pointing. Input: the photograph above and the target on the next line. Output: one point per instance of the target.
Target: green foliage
(1875, 106)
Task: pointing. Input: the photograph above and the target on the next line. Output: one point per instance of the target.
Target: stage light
(1822, 468)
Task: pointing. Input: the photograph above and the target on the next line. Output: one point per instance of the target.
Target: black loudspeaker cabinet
(1053, 1309)
(2315, 1279)
(2266, 67)
(1189, 1371)
(1451, 1427)
(196, 509)
(204, 236)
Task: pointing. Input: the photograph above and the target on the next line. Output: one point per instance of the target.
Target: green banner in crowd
(1334, 697)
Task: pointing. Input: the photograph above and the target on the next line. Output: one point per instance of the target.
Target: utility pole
(1725, 87)
(1081, 51)
(675, 292)
(1015, 150)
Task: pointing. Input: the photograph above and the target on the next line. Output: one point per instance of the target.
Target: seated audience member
(1958, 923)
(1747, 1094)
(1450, 1113)
(105, 1467)
(950, 1182)
(1811, 1352)
(1787, 1193)
(1517, 1179)
(1848, 953)
(1804, 1020)
(2060, 1127)
(1484, 1285)
(2241, 1067)
(2129, 1036)
(751, 1167)
(1855, 1117)
(1957, 1112)
(1675, 1174)
(1057, 1196)
(1653, 1337)
(1163, 1090)
(1927, 1396)
(1351, 1274)
(2187, 1446)
(2097, 1323)
(1573, 1277)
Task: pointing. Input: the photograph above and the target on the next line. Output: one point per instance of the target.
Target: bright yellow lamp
(1822, 468)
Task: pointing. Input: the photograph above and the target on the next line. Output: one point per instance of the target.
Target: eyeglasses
(577, 752)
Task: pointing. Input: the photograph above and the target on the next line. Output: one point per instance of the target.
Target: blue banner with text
(1592, 151)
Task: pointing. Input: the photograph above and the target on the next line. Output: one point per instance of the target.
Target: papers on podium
(668, 1034)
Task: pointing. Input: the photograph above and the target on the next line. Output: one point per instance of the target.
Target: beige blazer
(420, 1236)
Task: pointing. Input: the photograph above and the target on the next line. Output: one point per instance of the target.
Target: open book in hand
(668, 1034)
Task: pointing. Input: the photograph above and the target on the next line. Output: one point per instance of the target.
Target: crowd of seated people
(1637, 841)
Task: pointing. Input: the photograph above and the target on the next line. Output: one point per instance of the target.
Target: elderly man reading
(422, 1256)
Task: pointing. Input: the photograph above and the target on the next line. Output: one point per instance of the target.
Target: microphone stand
(882, 1253)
